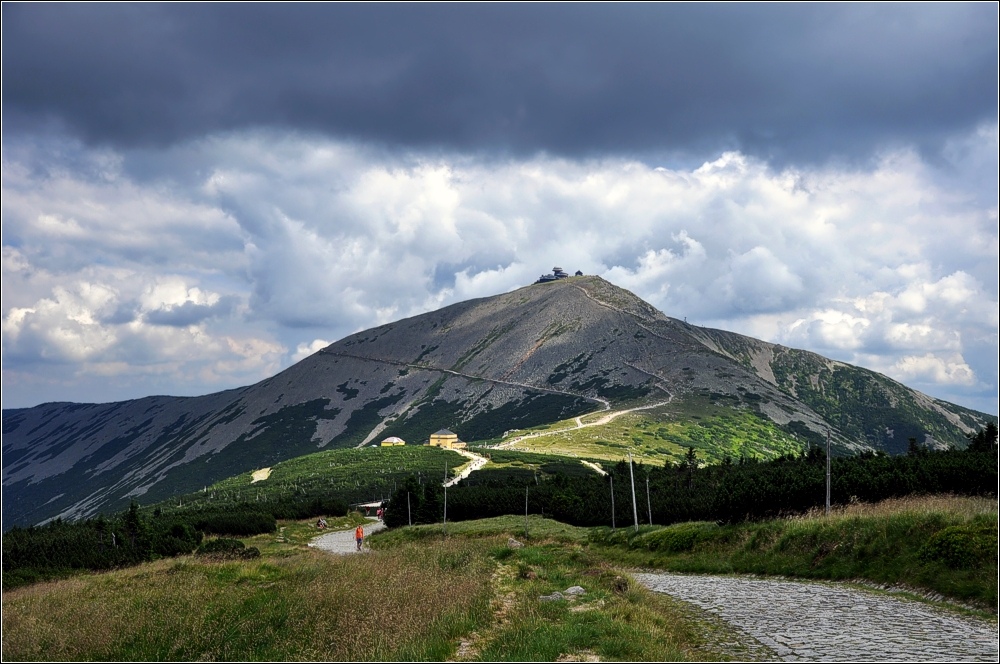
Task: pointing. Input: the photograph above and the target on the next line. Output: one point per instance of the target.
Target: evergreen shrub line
(724, 493)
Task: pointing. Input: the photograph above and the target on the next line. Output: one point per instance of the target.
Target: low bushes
(228, 548)
(965, 546)
(243, 522)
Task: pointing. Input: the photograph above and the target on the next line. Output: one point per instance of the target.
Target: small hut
(392, 441)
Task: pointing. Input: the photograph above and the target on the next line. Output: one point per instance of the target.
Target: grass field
(661, 434)
(355, 474)
(417, 597)
(474, 595)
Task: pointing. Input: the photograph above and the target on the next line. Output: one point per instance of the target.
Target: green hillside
(351, 475)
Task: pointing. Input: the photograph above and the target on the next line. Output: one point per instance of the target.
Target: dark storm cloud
(800, 82)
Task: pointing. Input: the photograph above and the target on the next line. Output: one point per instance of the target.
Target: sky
(197, 196)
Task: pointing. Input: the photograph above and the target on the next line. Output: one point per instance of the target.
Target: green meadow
(661, 434)
(469, 594)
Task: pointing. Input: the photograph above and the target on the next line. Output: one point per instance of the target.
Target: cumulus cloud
(950, 370)
(285, 241)
(196, 195)
(304, 350)
(758, 281)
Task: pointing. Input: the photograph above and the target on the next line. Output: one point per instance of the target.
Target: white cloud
(283, 242)
(827, 329)
(757, 280)
(304, 350)
(948, 370)
(105, 325)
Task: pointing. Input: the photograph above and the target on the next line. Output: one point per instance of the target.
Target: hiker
(379, 514)
(359, 535)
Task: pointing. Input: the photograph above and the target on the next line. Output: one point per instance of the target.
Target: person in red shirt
(359, 535)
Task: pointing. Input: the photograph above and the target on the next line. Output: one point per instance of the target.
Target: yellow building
(446, 439)
(392, 441)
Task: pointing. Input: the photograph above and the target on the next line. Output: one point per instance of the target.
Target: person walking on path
(359, 536)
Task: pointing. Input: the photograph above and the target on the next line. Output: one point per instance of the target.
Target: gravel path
(342, 541)
(477, 462)
(802, 621)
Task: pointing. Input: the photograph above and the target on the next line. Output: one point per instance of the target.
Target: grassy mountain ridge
(538, 355)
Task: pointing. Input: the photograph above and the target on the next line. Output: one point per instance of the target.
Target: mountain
(543, 353)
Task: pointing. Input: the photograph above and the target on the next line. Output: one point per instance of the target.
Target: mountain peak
(547, 352)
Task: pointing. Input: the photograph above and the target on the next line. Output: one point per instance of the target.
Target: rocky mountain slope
(535, 355)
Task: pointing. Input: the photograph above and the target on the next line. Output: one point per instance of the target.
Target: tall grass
(935, 544)
(407, 603)
(612, 619)
(416, 597)
(535, 528)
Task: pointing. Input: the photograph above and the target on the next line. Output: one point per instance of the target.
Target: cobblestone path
(803, 621)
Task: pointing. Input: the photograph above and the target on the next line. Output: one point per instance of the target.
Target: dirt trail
(604, 419)
(477, 463)
(605, 404)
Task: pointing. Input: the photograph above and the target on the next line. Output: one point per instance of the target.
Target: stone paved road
(825, 622)
(342, 541)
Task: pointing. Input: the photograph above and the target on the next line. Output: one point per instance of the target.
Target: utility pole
(635, 510)
(828, 472)
(612, 500)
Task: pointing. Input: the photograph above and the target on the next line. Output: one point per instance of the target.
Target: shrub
(228, 548)
(962, 547)
(236, 523)
(676, 538)
(179, 538)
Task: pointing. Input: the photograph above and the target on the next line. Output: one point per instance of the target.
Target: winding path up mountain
(426, 367)
(477, 462)
(604, 419)
(605, 404)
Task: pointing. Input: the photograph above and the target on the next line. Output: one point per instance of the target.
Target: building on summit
(392, 441)
(557, 273)
(446, 439)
